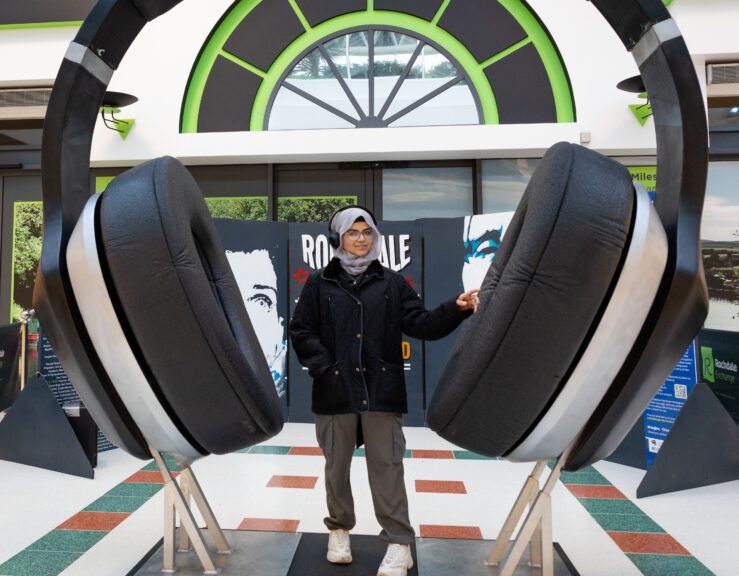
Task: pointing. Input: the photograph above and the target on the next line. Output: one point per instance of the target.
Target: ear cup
(152, 416)
(183, 312)
(540, 300)
(334, 240)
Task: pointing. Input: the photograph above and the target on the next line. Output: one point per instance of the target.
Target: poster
(61, 387)
(457, 255)
(401, 252)
(257, 253)
(719, 367)
(9, 350)
(665, 407)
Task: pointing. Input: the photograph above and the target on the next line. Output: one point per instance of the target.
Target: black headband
(644, 27)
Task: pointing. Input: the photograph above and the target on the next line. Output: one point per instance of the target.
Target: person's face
(358, 239)
(257, 282)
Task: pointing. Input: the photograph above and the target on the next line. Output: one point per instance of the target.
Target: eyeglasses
(355, 234)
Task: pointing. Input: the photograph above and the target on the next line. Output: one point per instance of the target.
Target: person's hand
(468, 300)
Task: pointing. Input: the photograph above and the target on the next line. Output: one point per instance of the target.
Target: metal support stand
(177, 502)
(536, 530)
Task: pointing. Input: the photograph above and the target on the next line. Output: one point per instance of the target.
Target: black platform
(288, 554)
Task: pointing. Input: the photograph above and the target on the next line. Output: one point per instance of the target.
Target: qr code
(681, 391)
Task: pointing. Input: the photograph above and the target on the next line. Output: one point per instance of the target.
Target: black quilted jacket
(349, 336)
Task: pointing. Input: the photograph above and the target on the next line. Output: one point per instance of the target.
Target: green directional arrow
(123, 126)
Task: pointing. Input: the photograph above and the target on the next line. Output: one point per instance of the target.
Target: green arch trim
(373, 18)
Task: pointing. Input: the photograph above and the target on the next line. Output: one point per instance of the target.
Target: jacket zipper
(361, 337)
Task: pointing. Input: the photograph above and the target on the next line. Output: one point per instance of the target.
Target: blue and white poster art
(481, 239)
(257, 254)
(665, 407)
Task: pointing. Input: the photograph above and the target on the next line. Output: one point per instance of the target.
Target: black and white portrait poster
(257, 253)
(457, 255)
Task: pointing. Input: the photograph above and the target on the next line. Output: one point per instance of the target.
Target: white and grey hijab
(340, 223)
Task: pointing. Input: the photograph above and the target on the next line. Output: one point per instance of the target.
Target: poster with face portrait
(457, 254)
(257, 253)
(401, 252)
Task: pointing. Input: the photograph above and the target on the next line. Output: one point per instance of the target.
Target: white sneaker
(397, 561)
(339, 550)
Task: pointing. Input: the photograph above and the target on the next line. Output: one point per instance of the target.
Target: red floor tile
(101, 521)
(293, 482)
(441, 486)
(269, 525)
(587, 491)
(463, 532)
(641, 543)
(305, 451)
(434, 454)
(148, 477)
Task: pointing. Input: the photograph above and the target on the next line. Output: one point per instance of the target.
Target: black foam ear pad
(183, 309)
(543, 293)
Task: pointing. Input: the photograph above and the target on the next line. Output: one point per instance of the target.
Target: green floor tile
(586, 481)
(608, 506)
(465, 455)
(281, 450)
(627, 523)
(665, 565)
(30, 563)
(588, 476)
(116, 504)
(172, 466)
(68, 541)
(135, 490)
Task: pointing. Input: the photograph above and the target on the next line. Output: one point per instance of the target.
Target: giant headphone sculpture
(148, 264)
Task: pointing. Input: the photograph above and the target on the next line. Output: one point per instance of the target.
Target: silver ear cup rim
(111, 344)
(627, 309)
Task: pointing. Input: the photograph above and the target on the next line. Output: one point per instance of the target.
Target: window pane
(410, 193)
(504, 182)
(312, 95)
(720, 242)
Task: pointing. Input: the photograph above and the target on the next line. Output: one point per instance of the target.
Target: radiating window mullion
(321, 103)
(401, 79)
(341, 80)
(422, 101)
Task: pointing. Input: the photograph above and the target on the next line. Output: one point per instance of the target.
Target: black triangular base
(36, 432)
(701, 449)
(631, 451)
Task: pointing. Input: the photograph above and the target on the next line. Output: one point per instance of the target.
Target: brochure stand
(36, 432)
(701, 449)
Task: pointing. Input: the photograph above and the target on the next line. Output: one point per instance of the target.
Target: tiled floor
(53, 524)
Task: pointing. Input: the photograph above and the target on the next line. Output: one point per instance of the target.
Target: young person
(347, 331)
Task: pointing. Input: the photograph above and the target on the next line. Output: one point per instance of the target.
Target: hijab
(340, 224)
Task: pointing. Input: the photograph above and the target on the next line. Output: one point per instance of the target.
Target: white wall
(595, 59)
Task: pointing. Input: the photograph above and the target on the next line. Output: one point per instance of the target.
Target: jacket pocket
(390, 384)
(329, 391)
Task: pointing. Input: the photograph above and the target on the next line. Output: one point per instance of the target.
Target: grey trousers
(384, 450)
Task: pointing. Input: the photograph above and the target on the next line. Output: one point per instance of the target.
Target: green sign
(646, 176)
(707, 365)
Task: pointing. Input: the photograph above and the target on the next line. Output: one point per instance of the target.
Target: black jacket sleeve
(428, 324)
(305, 330)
